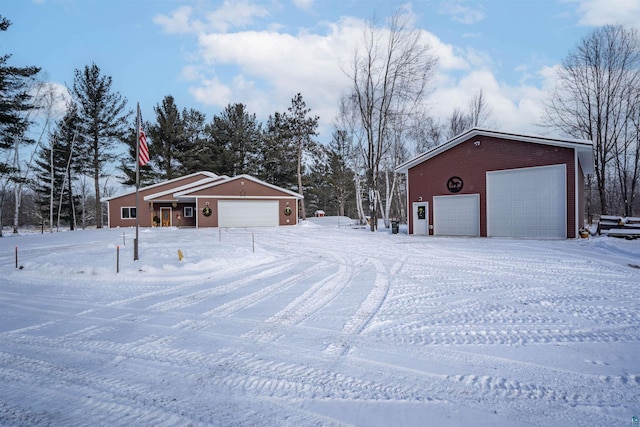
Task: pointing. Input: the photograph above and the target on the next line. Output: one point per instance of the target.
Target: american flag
(143, 149)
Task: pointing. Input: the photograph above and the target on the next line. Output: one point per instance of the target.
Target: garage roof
(584, 148)
(188, 192)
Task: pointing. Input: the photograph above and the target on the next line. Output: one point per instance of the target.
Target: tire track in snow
(365, 312)
(313, 299)
(189, 299)
(179, 289)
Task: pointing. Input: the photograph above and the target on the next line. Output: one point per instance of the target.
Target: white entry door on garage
(528, 202)
(457, 215)
(248, 213)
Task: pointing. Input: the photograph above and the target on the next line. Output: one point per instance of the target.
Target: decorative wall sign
(422, 212)
(454, 184)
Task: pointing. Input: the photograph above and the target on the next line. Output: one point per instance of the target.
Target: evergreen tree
(102, 123)
(55, 166)
(127, 166)
(340, 176)
(167, 136)
(200, 153)
(14, 101)
(276, 154)
(300, 129)
(236, 135)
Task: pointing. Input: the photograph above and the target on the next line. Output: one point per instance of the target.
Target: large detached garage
(497, 184)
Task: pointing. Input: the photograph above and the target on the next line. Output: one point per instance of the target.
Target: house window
(127, 213)
(188, 211)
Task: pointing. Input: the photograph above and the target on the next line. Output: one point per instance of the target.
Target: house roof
(184, 187)
(187, 192)
(205, 174)
(584, 148)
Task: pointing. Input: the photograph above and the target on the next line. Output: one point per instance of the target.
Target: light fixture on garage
(420, 198)
(477, 143)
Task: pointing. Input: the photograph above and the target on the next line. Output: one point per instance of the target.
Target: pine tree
(167, 136)
(199, 154)
(236, 135)
(276, 155)
(102, 124)
(55, 170)
(15, 103)
(300, 130)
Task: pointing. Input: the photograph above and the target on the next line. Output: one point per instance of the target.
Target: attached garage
(456, 215)
(248, 213)
(203, 200)
(498, 184)
(527, 202)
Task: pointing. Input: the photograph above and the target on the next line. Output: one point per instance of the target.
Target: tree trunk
(300, 190)
(96, 182)
(361, 215)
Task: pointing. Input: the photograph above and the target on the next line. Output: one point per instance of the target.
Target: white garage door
(248, 213)
(456, 215)
(530, 202)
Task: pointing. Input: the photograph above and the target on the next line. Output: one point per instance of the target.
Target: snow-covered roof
(583, 147)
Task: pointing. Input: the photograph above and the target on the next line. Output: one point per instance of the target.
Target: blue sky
(208, 54)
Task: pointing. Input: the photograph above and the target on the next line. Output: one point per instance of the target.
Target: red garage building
(497, 184)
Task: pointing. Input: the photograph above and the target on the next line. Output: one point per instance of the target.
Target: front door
(165, 217)
(420, 218)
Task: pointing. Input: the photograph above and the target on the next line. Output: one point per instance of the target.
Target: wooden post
(253, 243)
(118, 259)
(16, 257)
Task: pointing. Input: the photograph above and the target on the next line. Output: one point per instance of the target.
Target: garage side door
(248, 213)
(456, 215)
(530, 202)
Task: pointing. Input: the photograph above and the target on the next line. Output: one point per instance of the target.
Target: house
(204, 199)
(498, 184)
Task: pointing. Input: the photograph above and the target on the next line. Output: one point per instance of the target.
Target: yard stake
(123, 242)
(118, 259)
(253, 243)
(16, 257)
(219, 235)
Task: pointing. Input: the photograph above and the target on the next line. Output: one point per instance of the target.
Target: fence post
(16, 257)
(118, 259)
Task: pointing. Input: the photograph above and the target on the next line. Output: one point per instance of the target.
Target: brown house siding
(470, 161)
(242, 187)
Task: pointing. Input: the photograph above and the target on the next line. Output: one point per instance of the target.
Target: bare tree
(595, 99)
(346, 124)
(477, 115)
(479, 111)
(389, 75)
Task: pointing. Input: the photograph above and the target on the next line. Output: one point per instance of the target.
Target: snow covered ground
(317, 324)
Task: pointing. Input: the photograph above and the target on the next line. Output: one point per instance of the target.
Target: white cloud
(461, 13)
(602, 12)
(265, 69)
(231, 14)
(178, 22)
(303, 4)
(276, 66)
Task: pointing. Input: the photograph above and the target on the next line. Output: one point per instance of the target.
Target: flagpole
(135, 241)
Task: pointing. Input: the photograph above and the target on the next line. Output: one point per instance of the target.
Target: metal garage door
(530, 202)
(456, 215)
(248, 213)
